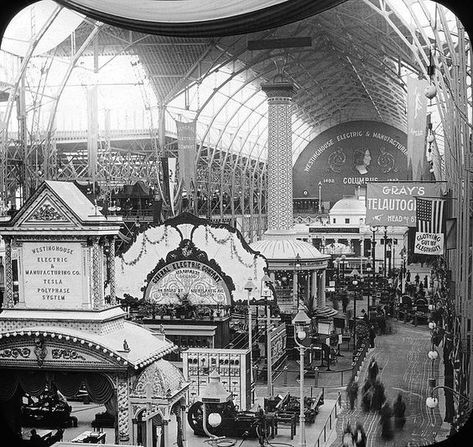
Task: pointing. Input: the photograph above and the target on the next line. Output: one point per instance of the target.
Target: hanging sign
(428, 243)
(195, 280)
(394, 204)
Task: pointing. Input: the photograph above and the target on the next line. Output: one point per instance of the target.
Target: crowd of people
(373, 399)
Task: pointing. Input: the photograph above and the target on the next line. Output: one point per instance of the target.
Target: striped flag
(429, 215)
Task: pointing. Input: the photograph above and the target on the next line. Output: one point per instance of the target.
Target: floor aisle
(404, 368)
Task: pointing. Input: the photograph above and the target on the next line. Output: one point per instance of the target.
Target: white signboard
(200, 283)
(429, 243)
(52, 275)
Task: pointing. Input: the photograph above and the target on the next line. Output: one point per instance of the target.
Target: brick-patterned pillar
(8, 273)
(279, 156)
(123, 410)
(111, 270)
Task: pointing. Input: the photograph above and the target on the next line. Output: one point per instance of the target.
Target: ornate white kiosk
(57, 327)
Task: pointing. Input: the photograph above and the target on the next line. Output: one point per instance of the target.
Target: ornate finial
(125, 345)
(40, 350)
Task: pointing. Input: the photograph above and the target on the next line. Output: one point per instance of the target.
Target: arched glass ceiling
(231, 113)
(356, 69)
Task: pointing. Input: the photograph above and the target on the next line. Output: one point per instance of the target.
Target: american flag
(429, 215)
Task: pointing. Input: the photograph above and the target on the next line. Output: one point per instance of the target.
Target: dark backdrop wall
(350, 155)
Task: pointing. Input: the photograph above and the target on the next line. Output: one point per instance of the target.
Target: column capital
(278, 89)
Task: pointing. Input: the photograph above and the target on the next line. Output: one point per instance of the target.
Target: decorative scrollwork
(16, 352)
(47, 212)
(67, 354)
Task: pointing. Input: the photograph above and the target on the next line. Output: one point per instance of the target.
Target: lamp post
(297, 266)
(389, 254)
(355, 284)
(301, 323)
(385, 247)
(249, 286)
(266, 293)
(403, 270)
(373, 253)
(320, 198)
(342, 260)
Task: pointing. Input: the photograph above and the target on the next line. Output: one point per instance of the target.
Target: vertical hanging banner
(169, 179)
(416, 124)
(186, 136)
(92, 130)
(429, 239)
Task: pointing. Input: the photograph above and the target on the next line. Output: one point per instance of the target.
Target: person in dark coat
(386, 422)
(372, 335)
(408, 276)
(366, 398)
(379, 396)
(352, 393)
(399, 410)
(360, 435)
(373, 370)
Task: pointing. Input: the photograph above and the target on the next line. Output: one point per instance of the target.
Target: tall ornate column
(8, 273)
(280, 218)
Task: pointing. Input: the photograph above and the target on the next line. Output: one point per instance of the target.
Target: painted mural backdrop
(350, 155)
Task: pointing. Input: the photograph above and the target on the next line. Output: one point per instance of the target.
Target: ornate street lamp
(301, 323)
(385, 248)
(267, 295)
(355, 284)
(373, 230)
(342, 261)
(297, 266)
(249, 286)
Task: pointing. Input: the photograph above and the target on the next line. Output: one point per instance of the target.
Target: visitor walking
(399, 410)
(348, 437)
(352, 393)
(372, 335)
(373, 369)
(360, 435)
(386, 423)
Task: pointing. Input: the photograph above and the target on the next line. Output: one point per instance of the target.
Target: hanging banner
(186, 134)
(389, 204)
(169, 179)
(428, 243)
(416, 125)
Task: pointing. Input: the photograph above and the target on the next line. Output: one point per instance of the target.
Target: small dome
(350, 205)
(162, 376)
(287, 249)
